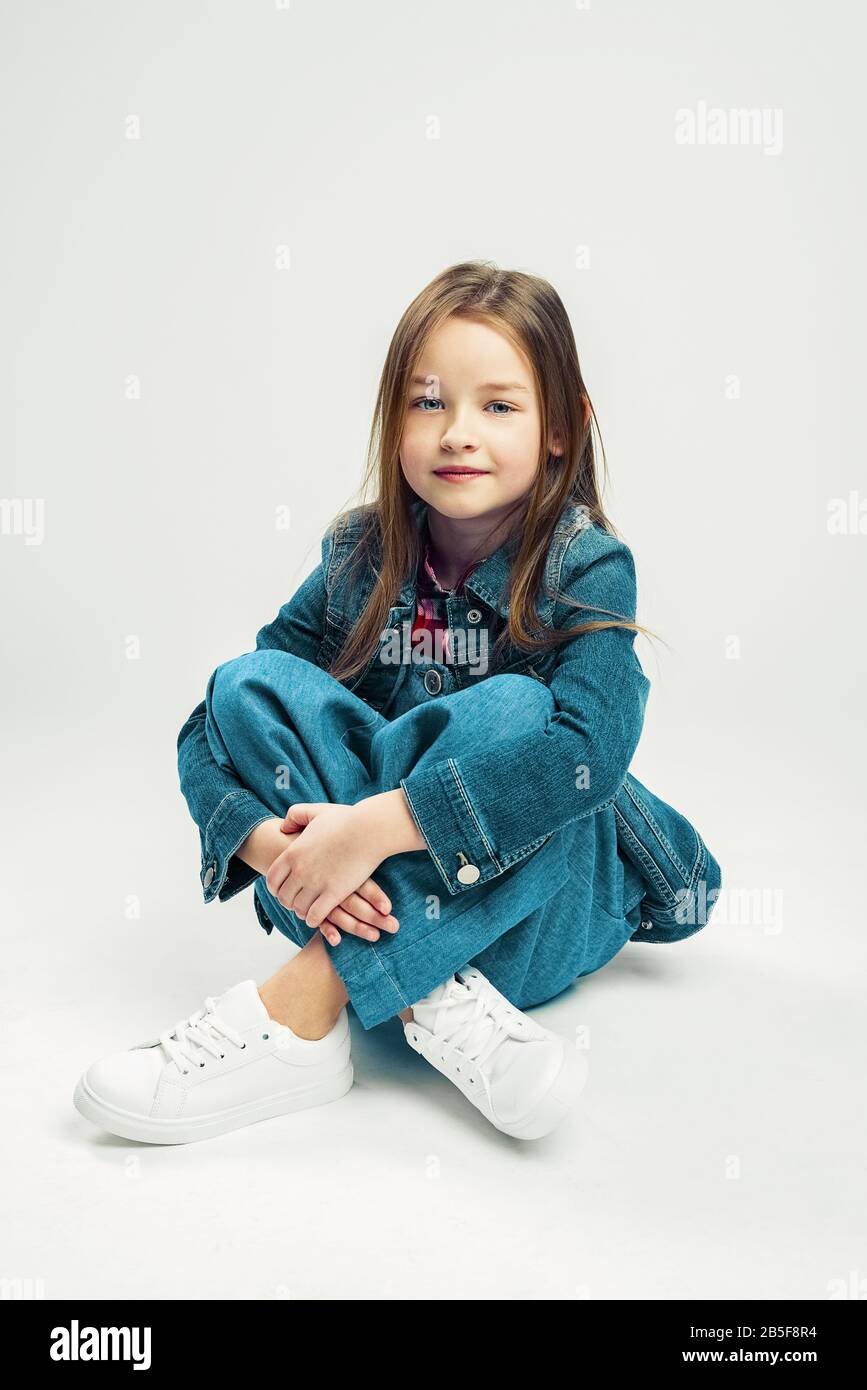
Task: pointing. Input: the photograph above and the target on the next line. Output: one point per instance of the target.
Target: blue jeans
(291, 732)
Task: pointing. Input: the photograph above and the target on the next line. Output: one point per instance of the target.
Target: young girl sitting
(423, 766)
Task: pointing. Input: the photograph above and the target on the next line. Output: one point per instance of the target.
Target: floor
(718, 1151)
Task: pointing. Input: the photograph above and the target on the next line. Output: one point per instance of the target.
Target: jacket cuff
(684, 910)
(222, 875)
(474, 825)
(455, 839)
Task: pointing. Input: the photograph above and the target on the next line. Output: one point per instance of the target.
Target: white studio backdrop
(214, 216)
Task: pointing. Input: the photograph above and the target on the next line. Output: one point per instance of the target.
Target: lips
(461, 472)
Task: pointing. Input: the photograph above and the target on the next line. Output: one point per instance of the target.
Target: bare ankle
(306, 994)
(307, 1016)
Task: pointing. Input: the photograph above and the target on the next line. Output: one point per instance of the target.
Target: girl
(463, 838)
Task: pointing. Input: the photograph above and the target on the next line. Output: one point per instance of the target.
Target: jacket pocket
(538, 665)
(377, 683)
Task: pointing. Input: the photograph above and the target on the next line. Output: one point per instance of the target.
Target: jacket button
(474, 616)
(433, 682)
(467, 873)
(209, 876)
(647, 925)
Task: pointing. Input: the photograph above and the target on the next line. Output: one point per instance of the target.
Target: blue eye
(435, 400)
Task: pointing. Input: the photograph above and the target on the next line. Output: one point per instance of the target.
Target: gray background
(719, 1148)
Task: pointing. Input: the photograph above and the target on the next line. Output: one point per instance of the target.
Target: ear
(556, 447)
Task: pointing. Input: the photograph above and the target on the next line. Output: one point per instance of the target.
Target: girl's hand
(325, 864)
(365, 913)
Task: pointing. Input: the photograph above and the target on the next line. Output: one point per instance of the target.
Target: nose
(458, 438)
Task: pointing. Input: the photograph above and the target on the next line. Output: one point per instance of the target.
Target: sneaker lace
(479, 1035)
(203, 1031)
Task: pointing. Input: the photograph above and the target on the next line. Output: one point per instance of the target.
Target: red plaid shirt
(430, 600)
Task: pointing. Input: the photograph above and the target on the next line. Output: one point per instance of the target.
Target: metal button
(474, 616)
(433, 682)
(467, 873)
(647, 925)
(209, 875)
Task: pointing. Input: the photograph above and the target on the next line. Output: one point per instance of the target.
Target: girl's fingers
(375, 896)
(338, 916)
(352, 925)
(357, 907)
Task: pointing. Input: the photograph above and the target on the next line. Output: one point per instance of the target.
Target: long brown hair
(528, 311)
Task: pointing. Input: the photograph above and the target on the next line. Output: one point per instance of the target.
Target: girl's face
(472, 405)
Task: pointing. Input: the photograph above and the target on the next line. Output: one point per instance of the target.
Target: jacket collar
(489, 581)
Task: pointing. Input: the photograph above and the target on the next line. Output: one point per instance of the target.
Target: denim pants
(291, 733)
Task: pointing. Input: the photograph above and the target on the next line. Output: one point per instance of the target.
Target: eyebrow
(485, 386)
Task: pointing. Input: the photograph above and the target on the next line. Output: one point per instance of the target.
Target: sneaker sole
(185, 1131)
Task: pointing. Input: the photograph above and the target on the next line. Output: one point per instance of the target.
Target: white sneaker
(522, 1077)
(227, 1065)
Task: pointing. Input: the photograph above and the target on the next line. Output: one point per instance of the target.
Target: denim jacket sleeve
(221, 806)
(495, 805)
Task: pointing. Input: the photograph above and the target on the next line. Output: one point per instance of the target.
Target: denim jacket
(467, 810)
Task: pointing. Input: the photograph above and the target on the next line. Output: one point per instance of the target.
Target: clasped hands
(323, 875)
